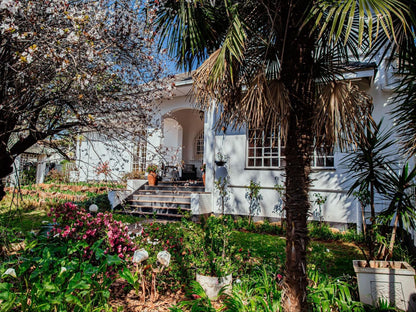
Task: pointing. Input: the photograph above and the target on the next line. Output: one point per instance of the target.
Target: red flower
(195, 296)
(240, 250)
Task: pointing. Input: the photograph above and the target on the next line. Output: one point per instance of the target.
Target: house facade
(186, 138)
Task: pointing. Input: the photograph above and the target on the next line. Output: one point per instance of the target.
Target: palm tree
(276, 64)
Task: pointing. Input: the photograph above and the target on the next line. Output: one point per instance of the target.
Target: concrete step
(190, 188)
(159, 216)
(154, 203)
(157, 197)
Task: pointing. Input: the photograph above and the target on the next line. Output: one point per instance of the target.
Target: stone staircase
(167, 200)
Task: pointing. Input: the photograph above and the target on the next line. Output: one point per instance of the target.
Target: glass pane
(250, 162)
(282, 162)
(258, 162)
(275, 162)
(330, 161)
(266, 162)
(320, 162)
(259, 152)
(250, 152)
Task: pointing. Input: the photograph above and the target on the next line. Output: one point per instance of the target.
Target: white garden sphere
(93, 208)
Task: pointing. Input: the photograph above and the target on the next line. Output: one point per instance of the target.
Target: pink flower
(279, 276)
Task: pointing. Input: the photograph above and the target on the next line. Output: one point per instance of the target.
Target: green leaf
(113, 260)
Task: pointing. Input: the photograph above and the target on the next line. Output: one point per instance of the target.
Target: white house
(187, 139)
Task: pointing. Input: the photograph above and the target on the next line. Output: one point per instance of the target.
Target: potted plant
(373, 172)
(221, 160)
(203, 168)
(152, 174)
(212, 256)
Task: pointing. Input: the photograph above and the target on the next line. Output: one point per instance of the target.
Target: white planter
(212, 284)
(392, 281)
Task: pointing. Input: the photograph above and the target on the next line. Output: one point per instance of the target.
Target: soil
(126, 298)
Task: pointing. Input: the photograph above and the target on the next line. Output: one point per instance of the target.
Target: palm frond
(404, 100)
(341, 111)
(371, 17)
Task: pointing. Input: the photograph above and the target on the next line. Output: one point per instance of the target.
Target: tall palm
(277, 64)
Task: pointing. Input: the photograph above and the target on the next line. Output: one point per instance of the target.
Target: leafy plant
(368, 165)
(401, 210)
(152, 168)
(52, 275)
(221, 184)
(253, 197)
(319, 201)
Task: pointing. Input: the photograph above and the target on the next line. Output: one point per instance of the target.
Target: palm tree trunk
(298, 151)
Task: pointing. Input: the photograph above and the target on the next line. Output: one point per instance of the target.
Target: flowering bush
(151, 168)
(77, 224)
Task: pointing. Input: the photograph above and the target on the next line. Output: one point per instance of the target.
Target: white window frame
(139, 153)
(259, 157)
(199, 145)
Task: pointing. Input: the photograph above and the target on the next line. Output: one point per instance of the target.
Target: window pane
(267, 162)
(250, 162)
(330, 161)
(258, 162)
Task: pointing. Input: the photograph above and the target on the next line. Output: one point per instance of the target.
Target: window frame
(257, 158)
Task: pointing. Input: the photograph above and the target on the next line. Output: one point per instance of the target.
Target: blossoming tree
(70, 66)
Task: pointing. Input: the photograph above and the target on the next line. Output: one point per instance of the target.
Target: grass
(332, 258)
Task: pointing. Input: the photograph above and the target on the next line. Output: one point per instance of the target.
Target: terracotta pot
(152, 178)
(203, 178)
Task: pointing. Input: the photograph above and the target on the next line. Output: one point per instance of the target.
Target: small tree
(71, 66)
(367, 165)
(401, 210)
(254, 197)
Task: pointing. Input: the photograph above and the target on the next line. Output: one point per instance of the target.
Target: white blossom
(10, 272)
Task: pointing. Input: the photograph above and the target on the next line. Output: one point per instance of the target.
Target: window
(139, 153)
(199, 145)
(267, 150)
(322, 158)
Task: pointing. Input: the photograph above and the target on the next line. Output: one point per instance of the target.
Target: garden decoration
(93, 208)
(163, 257)
(138, 257)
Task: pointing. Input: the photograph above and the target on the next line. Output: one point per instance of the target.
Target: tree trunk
(6, 168)
(298, 151)
(393, 235)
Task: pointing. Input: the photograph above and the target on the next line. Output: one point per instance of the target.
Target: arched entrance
(183, 140)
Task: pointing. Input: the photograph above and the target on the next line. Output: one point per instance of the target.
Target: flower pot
(391, 281)
(212, 284)
(152, 178)
(220, 163)
(203, 178)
